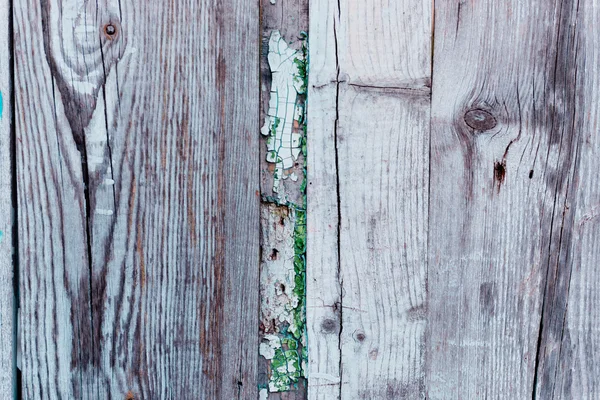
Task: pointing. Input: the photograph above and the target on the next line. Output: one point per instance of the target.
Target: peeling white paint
(277, 272)
(267, 349)
(263, 394)
(283, 144)
(104, 212)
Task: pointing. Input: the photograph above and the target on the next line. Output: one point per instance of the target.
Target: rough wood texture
(380, 135)
(281, 298)
(513, 228)
(138, 204)
(323, 289)
(7, 293)
(570, 348)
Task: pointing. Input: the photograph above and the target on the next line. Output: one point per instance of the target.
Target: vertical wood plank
(138, 198)
(568, 367)
(381, 86)
(282, 328)
(510, 135)
(7, 295)
(323, 287)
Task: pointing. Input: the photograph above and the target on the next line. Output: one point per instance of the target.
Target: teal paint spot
(1, 106)
(1, 233)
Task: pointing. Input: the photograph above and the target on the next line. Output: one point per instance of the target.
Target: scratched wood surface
(138, 198)
(513, 228)
(7, 294)
(372, 103)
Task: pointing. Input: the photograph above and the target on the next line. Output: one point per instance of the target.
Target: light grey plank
(576, 359)
(373, 84)
(382, 147)
(138, 202)
(7, 295)
(323, 288)
(509, 129)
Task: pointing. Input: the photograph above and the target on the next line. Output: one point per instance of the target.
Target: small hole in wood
(530, 174)
(282, 287)
(110, 30)
(274, 254)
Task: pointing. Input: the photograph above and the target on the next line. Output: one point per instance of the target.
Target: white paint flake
(267, 349)
(104, 212)
(263, 394)
(277, 285)
(283, 144)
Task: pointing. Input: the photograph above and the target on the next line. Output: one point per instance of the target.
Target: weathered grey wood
(569, 354)
(382, 147)
(138, 198)
(7, 294)
(513, 145)
(380, 80)
(323, 287)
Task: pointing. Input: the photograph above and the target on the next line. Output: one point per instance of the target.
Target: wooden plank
(282, 361)
(568, 367)
(323, 287)
(383, 145)
(138, 203)
(510, 137)
(7, 294)
(380, 135)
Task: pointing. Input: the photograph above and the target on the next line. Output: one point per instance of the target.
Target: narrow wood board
(378, 82)
(138, 198)
(570, 346)
(289, 18)
(512, 149)
(7, 292)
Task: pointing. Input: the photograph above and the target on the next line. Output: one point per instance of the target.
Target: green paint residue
(289, 360)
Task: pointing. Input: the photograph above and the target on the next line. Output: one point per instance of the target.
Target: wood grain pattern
(513, 139)
(7, 292)
(323, 290)
(383, 193)
(570, 368)
(380, 145)
(323, 287)
(138, 203)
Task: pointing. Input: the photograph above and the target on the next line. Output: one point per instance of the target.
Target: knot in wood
(328, 326)
(359, 335)
(110, 31)
(480, 120)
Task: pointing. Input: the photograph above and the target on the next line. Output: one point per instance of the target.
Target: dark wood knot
(110, 31)
(480, 120)
(328, 326)
(359, 336)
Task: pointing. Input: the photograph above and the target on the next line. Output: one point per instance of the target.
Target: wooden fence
(290, 199)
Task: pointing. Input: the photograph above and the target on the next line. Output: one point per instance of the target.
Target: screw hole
(110, 30)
